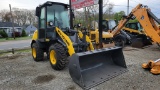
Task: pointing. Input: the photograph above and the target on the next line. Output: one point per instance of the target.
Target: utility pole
(128, 7)
(109, 12)
(71, 15)
(86, 17)
(100, 21)
(12, 20)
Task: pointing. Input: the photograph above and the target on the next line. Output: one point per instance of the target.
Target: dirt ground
(20, 72)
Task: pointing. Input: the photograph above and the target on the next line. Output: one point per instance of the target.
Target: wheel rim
(52, 57)
(34, 52)
(119, 42)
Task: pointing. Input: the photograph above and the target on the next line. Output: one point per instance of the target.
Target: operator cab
(51, 15)
(108, 25)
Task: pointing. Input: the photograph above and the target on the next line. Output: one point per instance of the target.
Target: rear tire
(37, 53)
(57, 56)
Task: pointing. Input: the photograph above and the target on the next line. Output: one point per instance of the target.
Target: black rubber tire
(120, 40)
(145, 39)
(61, 56)
(39, 53)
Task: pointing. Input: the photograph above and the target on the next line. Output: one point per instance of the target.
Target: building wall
(30, 30)
(9, 30)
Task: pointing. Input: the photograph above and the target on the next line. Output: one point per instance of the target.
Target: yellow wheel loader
(87, 67)
(108, 39)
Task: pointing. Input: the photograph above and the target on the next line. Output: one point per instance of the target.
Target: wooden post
(12, 20)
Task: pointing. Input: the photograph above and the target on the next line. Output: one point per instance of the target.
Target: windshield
(59, 15)
(139, 27)
(112, 24)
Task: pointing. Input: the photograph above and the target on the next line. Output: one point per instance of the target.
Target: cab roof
(51, 3)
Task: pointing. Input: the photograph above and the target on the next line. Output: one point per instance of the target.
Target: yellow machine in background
(147, 36)
(146, 19)
(133, 28)
(107, 36)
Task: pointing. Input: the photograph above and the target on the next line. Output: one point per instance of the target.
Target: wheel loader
(67, 47)
(108, 38)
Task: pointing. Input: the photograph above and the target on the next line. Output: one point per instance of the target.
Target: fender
(35, 40)
(62, 43)
(34, 37)
(66, 40)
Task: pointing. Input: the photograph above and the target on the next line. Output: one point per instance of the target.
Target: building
(7, 27)
(30, 30)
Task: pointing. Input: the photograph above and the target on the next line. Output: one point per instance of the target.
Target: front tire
(57, 56)
(37, 53)
(120, 40)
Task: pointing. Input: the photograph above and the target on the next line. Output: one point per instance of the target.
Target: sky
(119, 5)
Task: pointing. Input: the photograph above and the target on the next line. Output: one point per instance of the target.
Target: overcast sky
(119, 4)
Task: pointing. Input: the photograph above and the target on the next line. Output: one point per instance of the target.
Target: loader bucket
(91, 68)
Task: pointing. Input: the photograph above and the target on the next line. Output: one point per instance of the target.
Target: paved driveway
(14, 44)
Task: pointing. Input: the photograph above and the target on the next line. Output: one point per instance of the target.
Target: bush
(3, 34)
(23, 33)
(17, 34)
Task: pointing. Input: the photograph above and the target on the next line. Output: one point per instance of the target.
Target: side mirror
(72, 13)
(38, 11)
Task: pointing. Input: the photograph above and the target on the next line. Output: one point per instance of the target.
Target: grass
(17, 38)
(2, 53)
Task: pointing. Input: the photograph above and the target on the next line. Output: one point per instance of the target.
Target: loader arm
(69, 43)
(90, 47)
(123, 21)
(148, 23)
(66, 40)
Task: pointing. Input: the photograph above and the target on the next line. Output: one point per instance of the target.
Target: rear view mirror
(72, 13)
(38, 11)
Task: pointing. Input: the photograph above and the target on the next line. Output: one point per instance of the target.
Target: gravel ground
(20, 72)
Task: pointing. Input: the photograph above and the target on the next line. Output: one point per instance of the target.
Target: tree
(91, 13)
(17, 17)
(2, 14)
(7, 17)
(20, 16)
(31, 16)
(134, 20)
(23, 33)
(3, 34)
(118, 15)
